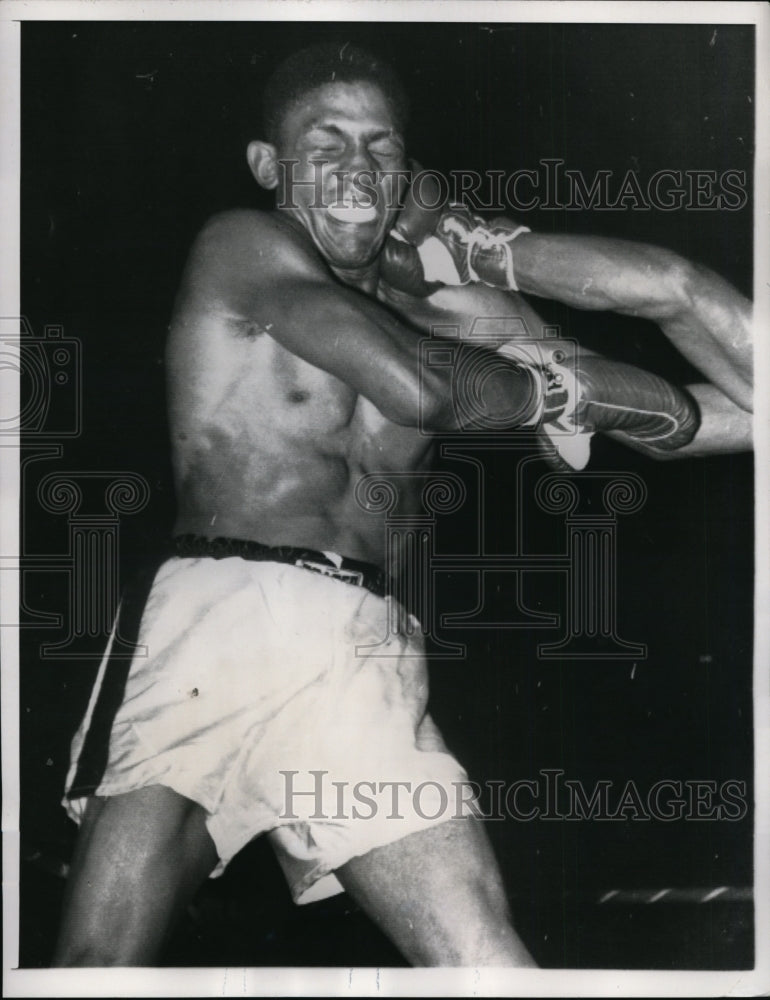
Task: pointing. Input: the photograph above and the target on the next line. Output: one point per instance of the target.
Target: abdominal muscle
(275, 486)
(269, 448)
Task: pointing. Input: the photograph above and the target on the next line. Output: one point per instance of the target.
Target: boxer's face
(345, 143)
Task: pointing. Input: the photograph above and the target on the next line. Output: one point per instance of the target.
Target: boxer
(290, 379)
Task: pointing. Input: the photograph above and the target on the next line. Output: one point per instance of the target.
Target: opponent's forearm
(590, 272)
(701, 313)
(586, 272)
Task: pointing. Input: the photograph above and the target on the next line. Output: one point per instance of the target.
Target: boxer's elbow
(690, 287)
(675, 281)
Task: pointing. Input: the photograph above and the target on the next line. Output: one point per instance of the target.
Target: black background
(132, 135)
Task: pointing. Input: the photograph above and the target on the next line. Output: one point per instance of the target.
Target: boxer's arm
(248, 266)
(464, 311)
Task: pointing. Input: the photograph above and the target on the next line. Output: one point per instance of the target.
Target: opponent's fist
(400, 264)
(464, 249)
(428, 248)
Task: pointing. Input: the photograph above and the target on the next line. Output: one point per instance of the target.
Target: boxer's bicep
(247, 269)
(351, 337)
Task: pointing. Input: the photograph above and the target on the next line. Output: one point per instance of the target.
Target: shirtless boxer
(288, 382)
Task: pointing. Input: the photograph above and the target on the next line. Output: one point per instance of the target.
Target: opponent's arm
(584, 393)
(701, 313)
(724, 426)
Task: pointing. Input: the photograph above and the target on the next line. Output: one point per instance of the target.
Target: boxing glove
(400, 264)
(464, 248)
(590, 394)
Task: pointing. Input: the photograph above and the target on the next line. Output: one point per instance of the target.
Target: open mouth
(352, 211)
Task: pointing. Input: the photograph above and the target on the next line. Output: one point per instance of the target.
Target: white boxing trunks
(278, 700)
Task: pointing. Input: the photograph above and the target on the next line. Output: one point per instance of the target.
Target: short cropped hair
(328, 62)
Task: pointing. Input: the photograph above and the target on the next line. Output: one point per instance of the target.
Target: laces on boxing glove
(564, 443)
(481, 240)
(462, 242)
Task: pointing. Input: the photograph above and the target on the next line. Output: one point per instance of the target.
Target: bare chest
(248, 389)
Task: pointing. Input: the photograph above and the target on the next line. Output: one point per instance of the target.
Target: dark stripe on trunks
(92, 762)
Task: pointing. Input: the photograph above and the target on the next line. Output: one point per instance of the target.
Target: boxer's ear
(263, 162)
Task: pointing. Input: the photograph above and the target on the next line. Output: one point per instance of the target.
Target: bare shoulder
(244, 243)
(239, 261)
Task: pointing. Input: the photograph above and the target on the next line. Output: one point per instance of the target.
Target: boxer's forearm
(702, 314)
(468, 312)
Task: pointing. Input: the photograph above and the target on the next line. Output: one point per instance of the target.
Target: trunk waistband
(352, 571)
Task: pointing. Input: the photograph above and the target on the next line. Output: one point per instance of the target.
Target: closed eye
(386, 147)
